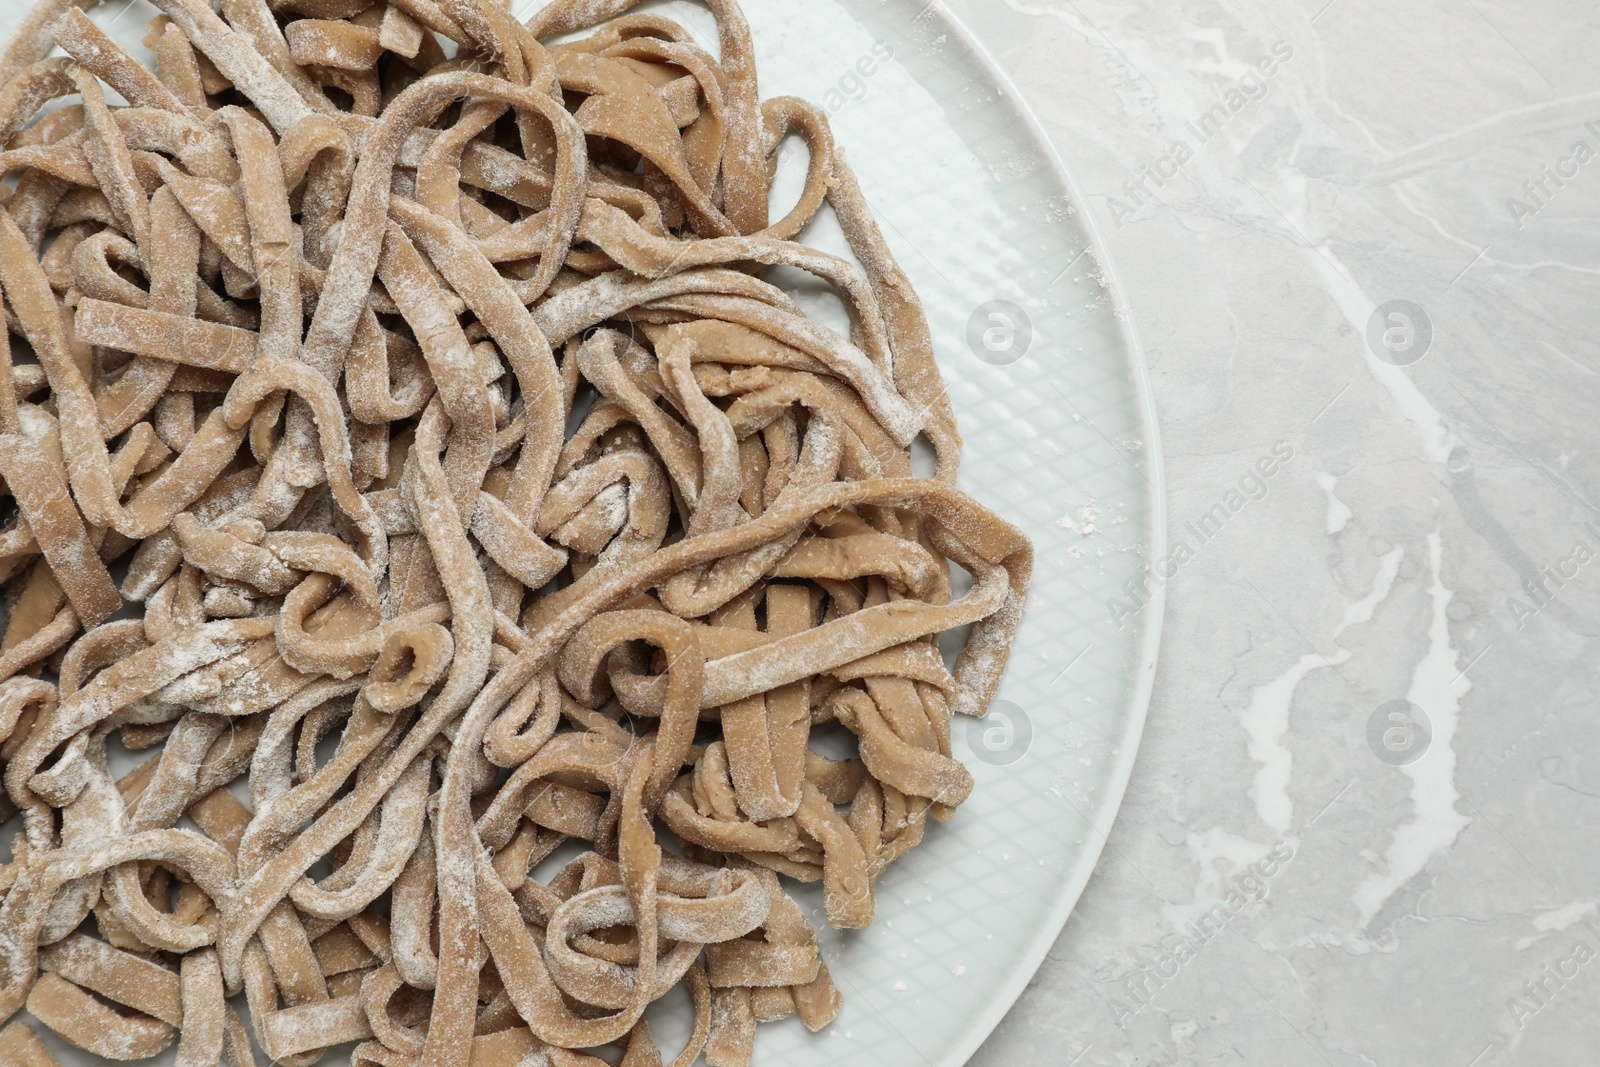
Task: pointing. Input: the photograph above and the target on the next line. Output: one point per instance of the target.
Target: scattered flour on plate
(1084, 525)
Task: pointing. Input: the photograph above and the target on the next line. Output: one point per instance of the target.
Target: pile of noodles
(399, 428)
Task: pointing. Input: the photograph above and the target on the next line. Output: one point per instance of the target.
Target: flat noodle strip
(20, 1047)
(192, 342)
(35, 480)
(478, 496)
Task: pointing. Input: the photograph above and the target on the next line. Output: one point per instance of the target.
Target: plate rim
(1043, 939)
(1101, 819)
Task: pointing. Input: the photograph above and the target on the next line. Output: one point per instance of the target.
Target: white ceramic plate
(1053, 399)
(1054, 404)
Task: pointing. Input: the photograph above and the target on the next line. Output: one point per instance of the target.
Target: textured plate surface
(1051, 392)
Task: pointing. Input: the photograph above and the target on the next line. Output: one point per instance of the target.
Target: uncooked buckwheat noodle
(299, 334)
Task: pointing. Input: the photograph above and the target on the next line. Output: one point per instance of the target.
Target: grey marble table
(1361, 828)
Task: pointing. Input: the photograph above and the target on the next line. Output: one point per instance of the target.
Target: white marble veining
(1267, 173)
